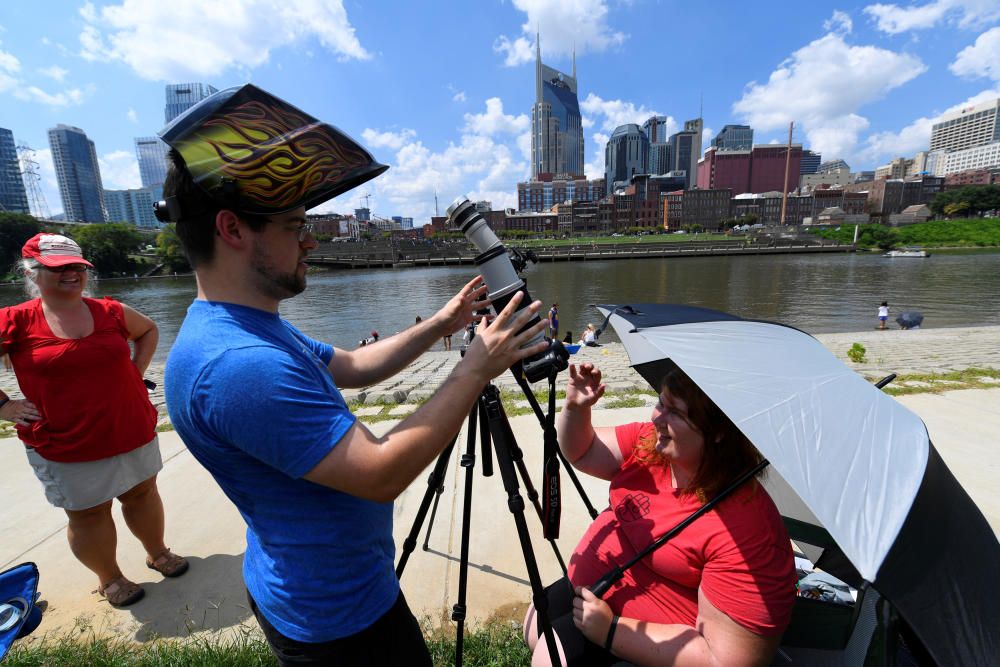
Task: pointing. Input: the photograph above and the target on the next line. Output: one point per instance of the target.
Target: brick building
(761, 169)
(707, 208)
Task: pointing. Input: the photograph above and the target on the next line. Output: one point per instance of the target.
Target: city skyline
(863, 82)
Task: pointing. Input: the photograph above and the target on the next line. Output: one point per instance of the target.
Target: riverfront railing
(400, 255)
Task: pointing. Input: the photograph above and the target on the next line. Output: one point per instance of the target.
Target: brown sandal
(168, 564)
(121, 592)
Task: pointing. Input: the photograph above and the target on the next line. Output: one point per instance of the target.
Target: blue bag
(18, 614)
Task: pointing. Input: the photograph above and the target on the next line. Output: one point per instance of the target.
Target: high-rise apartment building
(542, 195)
(685, 149)
(972, 126)
(655, 129)
(78, 173)
(810, 162)
(625, 155)
(134, 207)
(13, 197)
(833, 166)
(734, 138)
(151, 153)
(183, 96)
(556, 124)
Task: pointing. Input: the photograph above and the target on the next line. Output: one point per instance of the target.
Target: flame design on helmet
(278, 157)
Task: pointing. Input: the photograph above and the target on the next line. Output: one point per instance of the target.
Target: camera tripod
(488, 417)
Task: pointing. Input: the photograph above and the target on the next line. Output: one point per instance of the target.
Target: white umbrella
(851, 460)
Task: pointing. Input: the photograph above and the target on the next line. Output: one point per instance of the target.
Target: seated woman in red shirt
(88, 427)
(720, 592)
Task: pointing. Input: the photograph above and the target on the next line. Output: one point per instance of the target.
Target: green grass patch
(165, 427)
(494, 644)
(969, 233)
(936, 383)
(626, 402)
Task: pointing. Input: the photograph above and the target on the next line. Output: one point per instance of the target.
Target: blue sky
(442, 91)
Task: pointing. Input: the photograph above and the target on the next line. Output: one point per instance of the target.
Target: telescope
(502, 282)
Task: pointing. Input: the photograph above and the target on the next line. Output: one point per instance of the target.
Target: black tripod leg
(469, 463)
(503, 438)
(434, 482)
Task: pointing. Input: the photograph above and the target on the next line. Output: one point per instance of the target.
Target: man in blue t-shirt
(257, 402)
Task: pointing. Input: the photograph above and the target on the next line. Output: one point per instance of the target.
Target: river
(816, 293)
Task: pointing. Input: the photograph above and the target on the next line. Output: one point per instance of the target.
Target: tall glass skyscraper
(78, 174)
(13, 197)
(626, 154)
(152, 156)
(734, 138)
(183, 96)
(556, 125)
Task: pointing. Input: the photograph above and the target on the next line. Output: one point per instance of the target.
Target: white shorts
(85, 484)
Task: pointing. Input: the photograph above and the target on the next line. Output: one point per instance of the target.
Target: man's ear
(230, 229)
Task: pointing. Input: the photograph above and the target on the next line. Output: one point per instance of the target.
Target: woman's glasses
(77, 268)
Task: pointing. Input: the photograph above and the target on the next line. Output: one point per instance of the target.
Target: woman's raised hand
(584, 388)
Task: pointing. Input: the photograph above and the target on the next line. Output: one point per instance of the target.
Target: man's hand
(20, 412)
(591, 615)
(497, 347)
(584, 387)
(461, 309)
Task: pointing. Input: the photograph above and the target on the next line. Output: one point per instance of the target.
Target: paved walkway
(889, 351)
(202, 523)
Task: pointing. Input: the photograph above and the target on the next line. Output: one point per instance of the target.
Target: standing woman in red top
(86, 421)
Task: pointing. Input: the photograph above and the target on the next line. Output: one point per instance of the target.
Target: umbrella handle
(886, 380)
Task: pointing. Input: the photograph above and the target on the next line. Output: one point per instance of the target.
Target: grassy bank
(495, 644)
(970, 233)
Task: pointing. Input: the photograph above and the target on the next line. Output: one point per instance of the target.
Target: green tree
(980, 198)
(15, 229)
(877, 235)
(108, 246)
(956, 208)
(169, 250)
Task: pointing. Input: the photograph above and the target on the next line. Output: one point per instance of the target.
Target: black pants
(580, 651)
(394, 639)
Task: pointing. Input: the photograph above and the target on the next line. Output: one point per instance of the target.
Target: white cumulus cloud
(119, 170)
(391, 140)
(188, 38)
(822, 86)
(486, 162)
(564, 25)
(840, 22)
(54, 72)
(916, 136)
(495, 121)
(894, 19)
(980, 59)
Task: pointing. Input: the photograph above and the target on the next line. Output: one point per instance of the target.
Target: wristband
(611, 633)
(4, 401)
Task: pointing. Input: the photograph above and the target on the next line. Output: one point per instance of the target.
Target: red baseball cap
(53, 250)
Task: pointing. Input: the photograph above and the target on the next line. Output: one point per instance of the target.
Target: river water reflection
(816, 293)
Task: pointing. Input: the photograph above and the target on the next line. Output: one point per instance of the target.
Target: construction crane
(32, 182)
(366, 198)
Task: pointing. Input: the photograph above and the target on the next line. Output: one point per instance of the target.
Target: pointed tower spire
(538, 67)
(574, 61)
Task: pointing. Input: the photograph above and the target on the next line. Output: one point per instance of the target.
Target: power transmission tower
(32, 182)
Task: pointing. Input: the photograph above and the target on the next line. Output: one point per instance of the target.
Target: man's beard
(274, 283)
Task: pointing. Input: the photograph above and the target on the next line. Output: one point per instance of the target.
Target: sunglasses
(78, 268)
